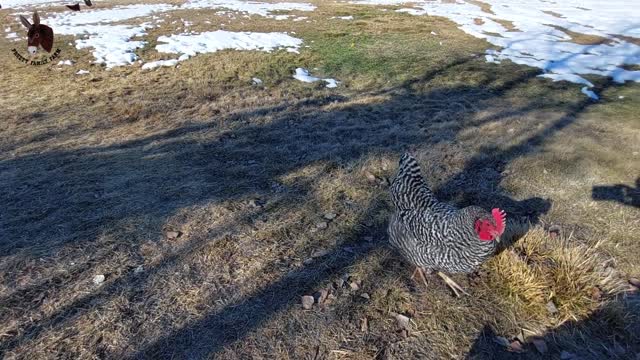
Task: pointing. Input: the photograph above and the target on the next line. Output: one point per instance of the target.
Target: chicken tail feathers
(409, 190)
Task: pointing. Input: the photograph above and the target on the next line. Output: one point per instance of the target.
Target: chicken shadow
(621, 193)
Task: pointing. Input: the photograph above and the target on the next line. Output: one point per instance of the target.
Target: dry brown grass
(96, 169)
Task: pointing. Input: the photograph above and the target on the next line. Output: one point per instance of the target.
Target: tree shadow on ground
(83, 193)
(600, 336)
(621, 193)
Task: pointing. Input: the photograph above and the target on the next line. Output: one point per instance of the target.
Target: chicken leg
(420, 272)
(452, 284)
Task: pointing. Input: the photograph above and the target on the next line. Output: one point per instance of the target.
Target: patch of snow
(8, 4)
(567, 77)
(111, 44)
(256, 81)
(381, 2)
(158, 63)
(304, 76)
(538, 37)
(65, 62)
(489, 58)
(11, 35)
(300, 18)
(82, 72)
(343, 17)
(249, 7)
(213, 41)
(585, 90)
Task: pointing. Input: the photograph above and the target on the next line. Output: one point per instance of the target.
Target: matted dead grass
(279, 190)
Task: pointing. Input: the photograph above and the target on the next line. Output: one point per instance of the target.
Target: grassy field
(212, 205)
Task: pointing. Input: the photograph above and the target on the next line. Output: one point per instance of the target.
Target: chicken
(437, 236)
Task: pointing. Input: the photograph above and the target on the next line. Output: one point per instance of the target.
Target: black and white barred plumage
(432, 234)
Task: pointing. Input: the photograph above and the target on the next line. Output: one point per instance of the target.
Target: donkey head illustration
(38, 35)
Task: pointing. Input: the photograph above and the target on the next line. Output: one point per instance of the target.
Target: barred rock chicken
(436, 236)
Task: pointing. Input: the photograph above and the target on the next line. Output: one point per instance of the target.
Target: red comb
(500, 217)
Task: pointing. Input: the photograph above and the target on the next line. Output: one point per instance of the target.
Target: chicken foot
(452, 284)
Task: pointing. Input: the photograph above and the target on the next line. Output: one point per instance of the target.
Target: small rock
(370, 177)
(173, 234)
(511, 130)
(307, 302)
(256, 81)
(540, 345)
(403, 321)
(516, 346)
(544, 171)
(319, 253)
(354, 286)
(339, 283)
(256, 203)
(501, 340)
(364, 324)
(596, 294)
(330, 216)
(551, 307)
(138, 269)
(322, 225)
(565, 355)
(554, 230)
(365, 296)
(98, 279)
(321, 296)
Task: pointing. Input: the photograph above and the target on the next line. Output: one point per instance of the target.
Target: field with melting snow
(209, 178)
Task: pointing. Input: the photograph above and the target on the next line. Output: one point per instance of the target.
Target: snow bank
(249, 7)
(207, 42)
(9, 4)
(542, 33)
(111, 44)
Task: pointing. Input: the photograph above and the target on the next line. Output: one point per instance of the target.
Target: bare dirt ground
(212, 205)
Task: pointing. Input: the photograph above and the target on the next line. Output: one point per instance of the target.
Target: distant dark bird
(88, 2)
(37, 34)
(75, 7)
(437, 236)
